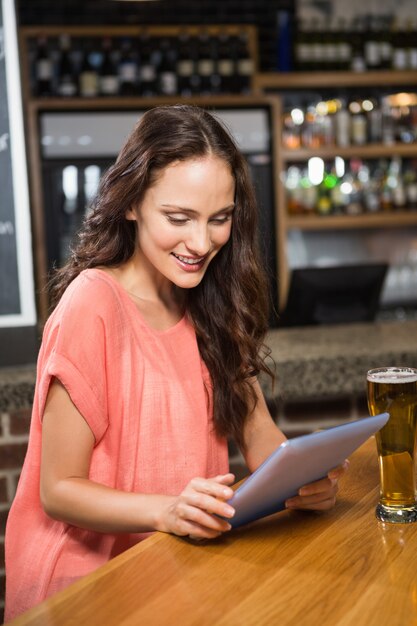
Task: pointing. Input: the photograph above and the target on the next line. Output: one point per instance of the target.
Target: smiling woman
(173, 239)
(148, 362)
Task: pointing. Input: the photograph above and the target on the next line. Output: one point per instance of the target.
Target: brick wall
(14, 433)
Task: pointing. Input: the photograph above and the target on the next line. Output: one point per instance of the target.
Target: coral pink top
(146, 396)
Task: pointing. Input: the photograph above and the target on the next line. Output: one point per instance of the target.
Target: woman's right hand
(194, 512)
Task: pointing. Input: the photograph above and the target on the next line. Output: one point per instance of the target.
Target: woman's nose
(198, 241)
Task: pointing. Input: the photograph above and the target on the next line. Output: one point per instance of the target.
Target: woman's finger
(337, 472)
(209, 504)
(203, 519)
(211, 488)
(320, 486)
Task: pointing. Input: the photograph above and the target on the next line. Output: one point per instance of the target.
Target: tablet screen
(297, 462)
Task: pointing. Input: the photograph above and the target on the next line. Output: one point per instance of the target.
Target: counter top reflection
(311, 362)
(335, 569)
(330, 361)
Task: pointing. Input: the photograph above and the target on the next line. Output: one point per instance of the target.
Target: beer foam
(393, 375)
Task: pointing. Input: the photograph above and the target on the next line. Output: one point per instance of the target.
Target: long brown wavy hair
(229, 308)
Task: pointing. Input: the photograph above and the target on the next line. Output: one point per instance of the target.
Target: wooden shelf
(103, 103)
(370, 151)
(330, 80)
(132, 31)
(396, 219)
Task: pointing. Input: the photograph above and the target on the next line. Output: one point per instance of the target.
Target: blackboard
(17, 308)
(9, 279)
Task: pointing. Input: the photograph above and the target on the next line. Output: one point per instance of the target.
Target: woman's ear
(130, 214)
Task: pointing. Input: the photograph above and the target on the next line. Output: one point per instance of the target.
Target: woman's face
(185, 218)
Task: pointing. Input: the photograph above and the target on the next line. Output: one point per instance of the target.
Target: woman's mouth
(189, 263)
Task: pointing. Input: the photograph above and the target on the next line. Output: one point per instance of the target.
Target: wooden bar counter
(329, 569)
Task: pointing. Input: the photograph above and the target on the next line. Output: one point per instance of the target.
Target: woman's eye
(178, 221)
(221, 219)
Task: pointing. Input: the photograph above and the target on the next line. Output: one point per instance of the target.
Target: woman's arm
(262, 436)
(68, 495)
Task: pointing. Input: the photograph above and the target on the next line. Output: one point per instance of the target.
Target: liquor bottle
(317, 44)
(205, 65)
(149, 61)
(330, 48)
(331, 183)
(337, 195)
(388, 126)
(386, 188)
(385, 43)
(234, 53)
(225, 64)
(324, 203)
(399, 53)
(358, 123)
(308, 196)
(301, 47)
(343, 45)
(128, 70)
(397, 183)
(88, 78)
(355, 204)
(411, 44)
(284, 44)
(185, 65)
(343, 125)
(66, 83)
(358, 63)
(43, 69)
(215, 78)
(410, 184)
(244, 64)
(167, 77)
(108, 79)
(372, 48)
(294, 191)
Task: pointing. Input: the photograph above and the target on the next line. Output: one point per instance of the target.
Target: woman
(148, 363)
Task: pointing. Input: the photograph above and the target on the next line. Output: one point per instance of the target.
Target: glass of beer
(394, 390)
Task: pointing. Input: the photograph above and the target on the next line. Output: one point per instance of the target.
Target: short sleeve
(74, 349)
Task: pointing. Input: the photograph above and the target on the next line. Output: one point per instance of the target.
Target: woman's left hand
(320, 495)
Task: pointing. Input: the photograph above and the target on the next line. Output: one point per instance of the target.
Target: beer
(394, 389)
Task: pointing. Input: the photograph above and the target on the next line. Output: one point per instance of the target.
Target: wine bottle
(43, 69)
(411, 45)
(205, 65)
(358, 63)
(301, 47)
(399, 53)
(88, 78)
(343, 45)
(244, 64)
(66, 82)
(149, 61)
(108, 79)
(167, 78)
(185, 65)
(372, 48)
(128, 70)
(225, 63)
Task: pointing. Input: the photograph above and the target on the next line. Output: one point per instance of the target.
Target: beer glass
(394, 390)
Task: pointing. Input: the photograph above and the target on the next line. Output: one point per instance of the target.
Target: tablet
(297, 462)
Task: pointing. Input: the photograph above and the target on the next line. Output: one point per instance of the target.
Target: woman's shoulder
(92, 294)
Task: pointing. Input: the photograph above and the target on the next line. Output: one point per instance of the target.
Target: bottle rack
(153, 60)
(332, 81)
